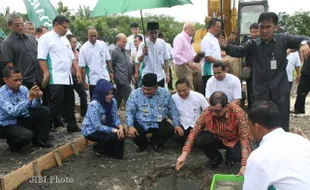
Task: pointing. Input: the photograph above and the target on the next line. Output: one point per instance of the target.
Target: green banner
(41, 12)
(2, 34)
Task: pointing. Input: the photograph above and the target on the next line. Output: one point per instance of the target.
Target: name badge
(159, 118)
(273, 64)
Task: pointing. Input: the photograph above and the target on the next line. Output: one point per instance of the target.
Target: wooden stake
(76, 152)
(57, 158)
(35, 168)
(2, 184)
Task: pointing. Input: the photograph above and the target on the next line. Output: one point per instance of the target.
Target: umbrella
(106, 7)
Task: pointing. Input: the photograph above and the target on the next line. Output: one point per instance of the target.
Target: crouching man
(220, 126)
(22, 118)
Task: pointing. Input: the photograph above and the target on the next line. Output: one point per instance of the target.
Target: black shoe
(214, 163)
(15, 147)
(41, 144)
(59, 124)
(53, 129)
(157, 148)
(73, 129)
(50, 136)
(141, 149)
(296, 112)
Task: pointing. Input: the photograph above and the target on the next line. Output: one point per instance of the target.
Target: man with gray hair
(19, 49)
(30, 28)
(183, 54)
(122, 69)
(95, 56)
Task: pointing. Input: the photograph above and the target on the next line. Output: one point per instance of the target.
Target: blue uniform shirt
(148, 111)
(95, 119)
(14, 105)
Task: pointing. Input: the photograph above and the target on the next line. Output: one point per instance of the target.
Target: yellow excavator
(239, 22)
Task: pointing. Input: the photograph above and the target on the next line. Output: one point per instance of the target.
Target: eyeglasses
(65, 27)
(18, 24)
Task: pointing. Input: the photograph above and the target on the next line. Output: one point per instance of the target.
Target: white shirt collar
(272, 135)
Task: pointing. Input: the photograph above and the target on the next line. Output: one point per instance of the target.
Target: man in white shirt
(189, 104)
(210, 45)
(225, 82)
(169, 49)
(282, 160)
(56, 60)
(94, 59)
(134, 27)
(155, 55)
(293, 62)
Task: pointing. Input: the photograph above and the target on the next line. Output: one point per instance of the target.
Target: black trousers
(283, 104)
(107, 144)
(62, 101)
(171, 79)
(122, 93)
(79, 88)
(302, 92)
(91, 91)
(250, 95)
(161, 83)
(35, 127)
(182, 139)
(210, 145)
(160, 135)
(204, 82)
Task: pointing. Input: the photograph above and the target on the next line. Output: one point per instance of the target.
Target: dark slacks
(250, 95)
(35, 127)
(302, 92)
(182, 139)
(122, 93)
(107, 144)
(160, 135)
(283, 104)
(204, 82)
(210, 145)
(79, 88)
(91, 91)
(170, 83)
(161, 83)
(62, 101)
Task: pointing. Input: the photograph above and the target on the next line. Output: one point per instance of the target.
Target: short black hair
(212, 22)
(134, 25)
(139, 36)
(7, 71)
(219, 64)
(40, 29)
(218, 97)
(254, 26)
(161, 35)
(60, 20)
(265, 113)
(182, 81)
(70, 36)
(269, 16)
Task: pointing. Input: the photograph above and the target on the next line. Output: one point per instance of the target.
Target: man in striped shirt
(220, 126)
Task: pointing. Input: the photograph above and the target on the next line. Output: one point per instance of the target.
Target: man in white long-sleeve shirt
(282, 160)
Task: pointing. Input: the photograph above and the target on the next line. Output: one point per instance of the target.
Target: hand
(167, 78)
(111, 76)
(241, 171)
(120, 132)
(132, 132)
(179, 130)
(180, 161)
(145, 50)
(304, 51)
(78, 77)
(85, 85)
(136, 77)
(297, 79)
(225, 61)
(223, 42)
(193, 66)
(33, 92)
(46, 79)
(39, 95)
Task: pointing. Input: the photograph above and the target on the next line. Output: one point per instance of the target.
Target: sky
(195, 12)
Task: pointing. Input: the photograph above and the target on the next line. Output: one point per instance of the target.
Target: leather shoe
(157, 148)
(41, 144)
(215, 162)
(296, 112)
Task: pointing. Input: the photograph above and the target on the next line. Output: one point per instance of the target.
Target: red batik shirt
(229, 129)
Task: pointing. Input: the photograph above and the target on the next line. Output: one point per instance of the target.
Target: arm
(239, 51)
(141, 53)
(95, 119)
(130, 110)
(237, 91)
(173, 111)
(255, 176)
(7, 53)
(115, 116)
(297, 67)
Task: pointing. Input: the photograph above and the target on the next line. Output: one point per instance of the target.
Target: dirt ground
(137, 171)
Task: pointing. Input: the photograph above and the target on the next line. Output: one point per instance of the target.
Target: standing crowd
(41, 69)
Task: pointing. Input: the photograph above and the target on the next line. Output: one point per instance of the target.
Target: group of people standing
(49, 68)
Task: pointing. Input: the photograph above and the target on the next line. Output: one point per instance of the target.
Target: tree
(297, 24)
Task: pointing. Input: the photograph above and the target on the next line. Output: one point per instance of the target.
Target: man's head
(137, 40)
(218, 104)
(30, 28)
(219, 71)
(92, 34)
(152, 30)
(121, 40)
(254, 32)
(233, 36)
(134, 27)
(268, 25)
(161, 36)
(12, 78)
(41, 30)
(149, 84)
(73, 41)
(16, 23)
(189, 28)
(214, 26)
(61, 25)
(263, 117)
(183, 87)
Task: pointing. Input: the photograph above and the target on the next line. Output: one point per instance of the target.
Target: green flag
(2, 34)
(40, 12)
